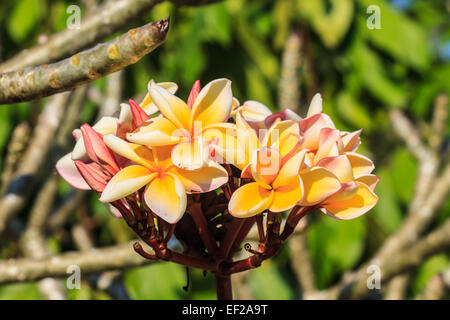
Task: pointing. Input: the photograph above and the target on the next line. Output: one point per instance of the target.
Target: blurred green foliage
(361, 72)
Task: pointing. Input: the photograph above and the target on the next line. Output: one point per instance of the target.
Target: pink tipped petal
(213, 104)
(319, 184)
(340, 166)
(172, 107)
(286, 114)
(204, 179)
(93, 175)
(361, 165)
(166, 197)
(330, 144)
(127, 181)
(310, 129)
(139, 115)
(315, 107)
(97, 150)
(249, 200)
(69, 172)
(358, 204)
(370, 180)
(125, 123)
(351, 140)
(194, 93)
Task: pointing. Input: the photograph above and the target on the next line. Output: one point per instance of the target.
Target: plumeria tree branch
(97, 260)
(37, 82)
(104, 21)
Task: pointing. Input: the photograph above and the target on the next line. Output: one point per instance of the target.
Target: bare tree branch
(92, 261)
(41, 81)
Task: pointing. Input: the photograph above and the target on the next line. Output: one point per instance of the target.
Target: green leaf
(403, 171)
(335, 246)
(158, 281)
(387, 211)
(331, 23)
(353, 112)
(20, 291)
(427, 270)
(399, 35)
(373, 75)
(24, 17)
(268, 283)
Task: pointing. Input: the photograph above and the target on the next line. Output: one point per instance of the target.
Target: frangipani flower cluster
(163, 149)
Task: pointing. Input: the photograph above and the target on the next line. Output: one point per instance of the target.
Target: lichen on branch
(41, 81)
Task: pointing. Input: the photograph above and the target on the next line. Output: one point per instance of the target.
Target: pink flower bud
(194, 93)
(139, 115)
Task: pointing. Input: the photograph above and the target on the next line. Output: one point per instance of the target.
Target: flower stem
(223, 287)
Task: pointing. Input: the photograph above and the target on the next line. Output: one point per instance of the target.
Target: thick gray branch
(41, 81)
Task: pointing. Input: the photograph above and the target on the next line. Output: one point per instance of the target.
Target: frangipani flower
(184, 127)
(165, 184)
(277, 185)
(253, 112)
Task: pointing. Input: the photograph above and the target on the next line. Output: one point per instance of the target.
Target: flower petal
(340, 166)
(287, 196)
(135, 152)
(194, 93)
(139, 115)
(315, 107)
(172, 107)
(213, 103)
(265, 165)
(191, 155)
(148, 105)
(351, 140)
(286, 114)
(97, 150)
(283, 135)
(361, 165)
(289, 170)
(361, 202)
(319, 183)
(370, 180)
(93, 174)
(204, 179)
(159, 132)
(166, 197)
(310, 129)
(69, 172)
(249, 200)
(330, 144)
(127, 181)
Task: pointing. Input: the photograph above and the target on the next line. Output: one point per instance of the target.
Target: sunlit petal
(135, 152)
(127, 181)
(340, 166)
(148, 105)
(315, 107)
(159, 132)
(361, 202)
(166, 197)
(265, 165)
(351, 140)
(213, 103)
(361, 165)
(172, 107)
(205, 179)
(287, 196)
(370, 180)
(191, 155)
(289, 170)
(310, 128)
(249, 200)
(319, 184)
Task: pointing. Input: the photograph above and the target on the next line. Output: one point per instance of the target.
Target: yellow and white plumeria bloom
(165, 184)
(187, 129)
